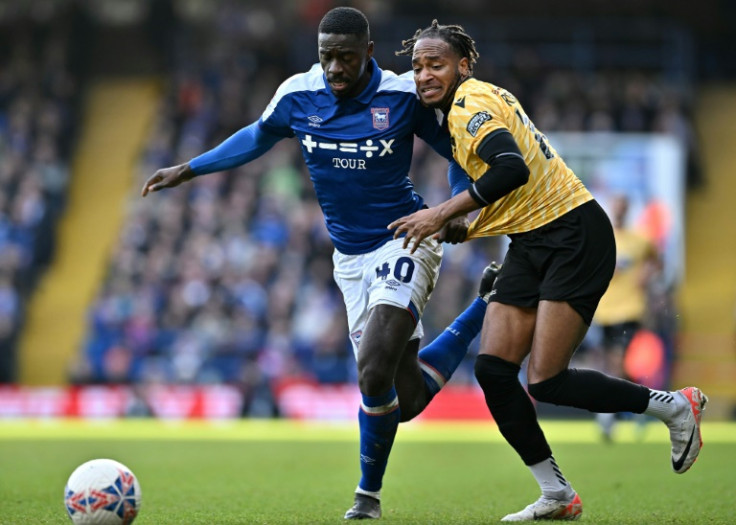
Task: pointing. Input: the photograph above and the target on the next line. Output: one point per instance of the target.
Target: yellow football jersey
(626, 297)
(480, 108)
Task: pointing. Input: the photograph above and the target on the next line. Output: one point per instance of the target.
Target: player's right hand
(167, 178)
(454, 231)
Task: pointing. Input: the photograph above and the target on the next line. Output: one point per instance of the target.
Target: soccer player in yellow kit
(623, 308)
(558, 265)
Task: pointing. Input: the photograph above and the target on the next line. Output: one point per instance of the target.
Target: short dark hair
(345, 21)
(454, 35)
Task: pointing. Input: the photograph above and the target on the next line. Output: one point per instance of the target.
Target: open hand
(417, 226)
(167, 178)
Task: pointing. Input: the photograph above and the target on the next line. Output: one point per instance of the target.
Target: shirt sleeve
(243, 146)
(457, 179)
(254, 140)
(481, 116)
(276, 118)
(428, 127)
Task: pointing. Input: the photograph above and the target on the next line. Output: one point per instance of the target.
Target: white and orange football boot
(549, 509)
(685, 429)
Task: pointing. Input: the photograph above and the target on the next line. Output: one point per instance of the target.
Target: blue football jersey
(358, 150)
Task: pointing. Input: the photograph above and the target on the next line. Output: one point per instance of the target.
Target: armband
(507, 171)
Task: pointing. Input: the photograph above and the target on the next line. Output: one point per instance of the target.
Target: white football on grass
(102, 492)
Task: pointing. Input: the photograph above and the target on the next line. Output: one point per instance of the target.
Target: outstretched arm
(245, 145)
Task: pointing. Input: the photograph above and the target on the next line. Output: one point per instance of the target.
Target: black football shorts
(571, 259)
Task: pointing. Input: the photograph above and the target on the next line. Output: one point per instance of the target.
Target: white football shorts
(388, 275)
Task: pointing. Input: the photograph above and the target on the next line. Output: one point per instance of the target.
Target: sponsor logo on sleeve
(508, 98)
(476, 121)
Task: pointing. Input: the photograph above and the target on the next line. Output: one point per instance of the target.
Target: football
(102, 492)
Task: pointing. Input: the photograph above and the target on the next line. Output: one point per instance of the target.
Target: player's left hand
(417, 227)
(167, 178)
(454, 232)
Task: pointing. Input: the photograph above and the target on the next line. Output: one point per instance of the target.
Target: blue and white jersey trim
(312, 80)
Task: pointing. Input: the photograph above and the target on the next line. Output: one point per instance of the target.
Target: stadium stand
(39, 98)
(228, 279)
(246, 257)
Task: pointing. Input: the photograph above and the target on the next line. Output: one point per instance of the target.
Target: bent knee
(374, 380)
(494, 373)
(550, 390)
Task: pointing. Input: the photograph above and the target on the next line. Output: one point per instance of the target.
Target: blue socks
(379, 416)
(379, 420)
(439, 359)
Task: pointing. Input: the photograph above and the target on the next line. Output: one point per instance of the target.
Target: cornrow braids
(454, 35)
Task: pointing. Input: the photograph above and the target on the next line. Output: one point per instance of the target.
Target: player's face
(344, 59)
(438, 71)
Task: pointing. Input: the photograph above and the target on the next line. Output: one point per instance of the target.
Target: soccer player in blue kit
(356, 125)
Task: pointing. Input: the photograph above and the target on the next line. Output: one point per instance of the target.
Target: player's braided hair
(345, 21)
(454, 35)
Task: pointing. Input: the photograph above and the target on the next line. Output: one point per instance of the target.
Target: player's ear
(369, 51)
(464, 66)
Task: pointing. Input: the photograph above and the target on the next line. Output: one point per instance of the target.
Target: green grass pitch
(279, 472)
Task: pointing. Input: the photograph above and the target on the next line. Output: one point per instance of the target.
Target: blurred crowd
(228, 279)
(38, 115)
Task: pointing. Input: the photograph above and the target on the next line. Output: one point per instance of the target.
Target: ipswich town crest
(380, 118)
